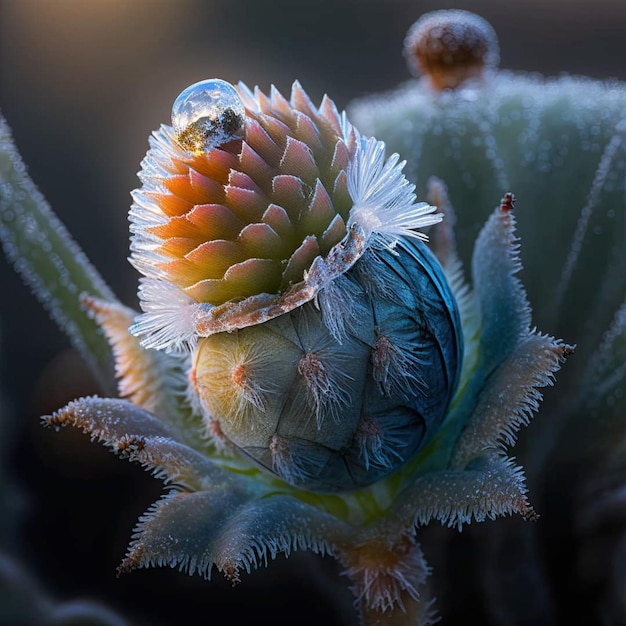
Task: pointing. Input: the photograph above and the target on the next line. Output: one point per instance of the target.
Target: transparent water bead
(207, 114)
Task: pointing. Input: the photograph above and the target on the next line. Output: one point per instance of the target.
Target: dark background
(82, 84)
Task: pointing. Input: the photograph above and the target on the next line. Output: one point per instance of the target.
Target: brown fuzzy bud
(451, 46)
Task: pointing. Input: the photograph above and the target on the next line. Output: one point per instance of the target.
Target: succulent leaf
(138, 435)
(151, 380)
(511, 397)
(49, 260)
(491, 486)
(227, 527)
(499, 292)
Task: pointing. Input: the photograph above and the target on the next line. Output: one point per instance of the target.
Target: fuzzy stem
(416, 613)
(49, 260)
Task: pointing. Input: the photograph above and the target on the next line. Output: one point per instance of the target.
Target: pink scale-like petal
(300, 261)
(215, 164)
(241, 179)
(247, 96)
(341, 158)
(301, 101)
(215, 221)
(215, 257)
(289, 192)
(257, 167)
(261, 240)
(329, 112)
(277, 130)
(276, 217)
(281, 106)
(247, 205)
(298, 159)
(202, 184)
(169, 204)
(265, 104)
(308, 132)
(335, 232)
(263, 145)
(320, 212)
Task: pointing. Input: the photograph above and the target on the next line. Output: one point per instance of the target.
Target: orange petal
(198, 192)
(245, 279)
(255, 276)
(169, 204)
(213, 291)
(182, 272)
(177, 247)
(215, 257)
(215, 164)
(215, 221)
(178, 226)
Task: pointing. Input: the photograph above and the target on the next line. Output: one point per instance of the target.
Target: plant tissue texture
(306, 370)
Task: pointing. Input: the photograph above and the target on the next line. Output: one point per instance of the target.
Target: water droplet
(207, 114)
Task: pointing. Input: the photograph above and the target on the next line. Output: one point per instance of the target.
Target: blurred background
(82, 84)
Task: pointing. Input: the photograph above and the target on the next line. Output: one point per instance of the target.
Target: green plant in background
(306, 372)
(560, 144)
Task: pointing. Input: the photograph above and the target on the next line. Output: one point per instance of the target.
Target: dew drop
(207, 114)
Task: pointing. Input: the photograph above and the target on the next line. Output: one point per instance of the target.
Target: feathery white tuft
(168, 318)
(384, 200)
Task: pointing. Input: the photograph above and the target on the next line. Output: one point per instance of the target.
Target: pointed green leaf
(504, 309)
(134, 433)
(489, 487)
(153, 380)
(229, 527)
(49, 260)
(511, 396)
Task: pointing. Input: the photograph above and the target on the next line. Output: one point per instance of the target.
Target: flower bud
(281, 248)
